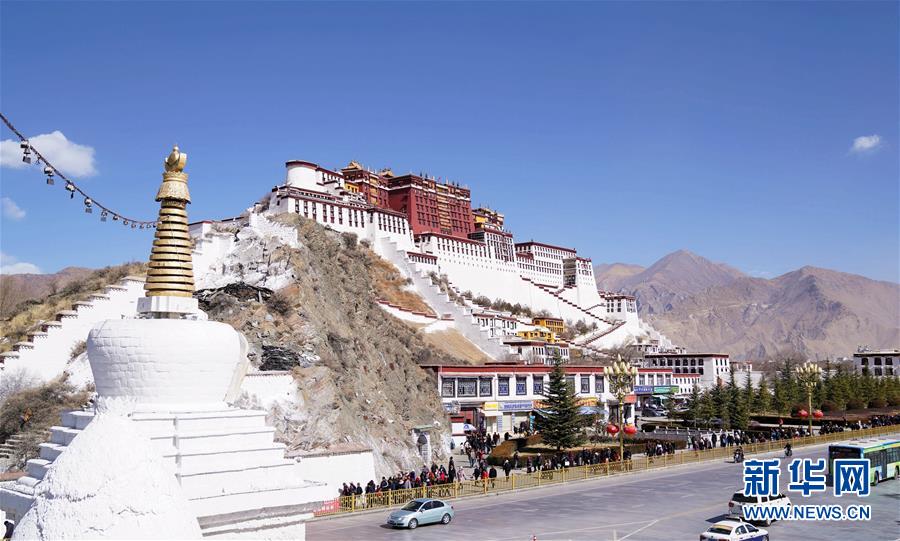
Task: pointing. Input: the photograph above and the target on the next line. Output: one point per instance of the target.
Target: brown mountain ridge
(709, 306)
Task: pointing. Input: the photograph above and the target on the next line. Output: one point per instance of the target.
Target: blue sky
(626, 130)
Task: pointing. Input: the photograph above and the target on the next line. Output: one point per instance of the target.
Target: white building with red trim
(499, 396)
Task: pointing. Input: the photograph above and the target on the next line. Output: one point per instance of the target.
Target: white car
(734, 530)
(739, 502)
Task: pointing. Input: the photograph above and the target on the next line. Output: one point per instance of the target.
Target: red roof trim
(534, 243)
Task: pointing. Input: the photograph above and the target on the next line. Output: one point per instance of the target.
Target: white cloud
(11, 265)
(865, 144)
(70, 158)
(9, 209)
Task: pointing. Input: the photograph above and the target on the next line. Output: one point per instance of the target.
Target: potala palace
(427, 227)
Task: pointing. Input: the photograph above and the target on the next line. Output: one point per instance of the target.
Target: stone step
(226, 459)
(62, 435)
(161, 423)
(214, 440)
(50, 451)
(209, 511)
(76, 419)
(37, 467)
(28, 481)
(15, 499)
(208, 421)
(233, 481)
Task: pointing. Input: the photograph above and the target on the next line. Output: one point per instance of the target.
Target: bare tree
(15, 381)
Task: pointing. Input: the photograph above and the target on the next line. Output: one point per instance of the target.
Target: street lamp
(808, 376)
(621, 382)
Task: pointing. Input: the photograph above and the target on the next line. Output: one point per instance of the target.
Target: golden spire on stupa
(171, 273)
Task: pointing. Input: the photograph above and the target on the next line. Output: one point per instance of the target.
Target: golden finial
(176, 160)
(171, 270)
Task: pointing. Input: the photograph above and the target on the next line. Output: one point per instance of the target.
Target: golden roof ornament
(171, 270)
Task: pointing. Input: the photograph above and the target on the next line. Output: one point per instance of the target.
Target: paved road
(659, 505)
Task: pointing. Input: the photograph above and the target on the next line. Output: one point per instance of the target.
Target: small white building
(713, 368)
(878, 363)
(497, 324)
(537, 351)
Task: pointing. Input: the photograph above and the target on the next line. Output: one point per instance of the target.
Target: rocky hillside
(356, 367)
(713, 307)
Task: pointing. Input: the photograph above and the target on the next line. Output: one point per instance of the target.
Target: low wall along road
(451, 491)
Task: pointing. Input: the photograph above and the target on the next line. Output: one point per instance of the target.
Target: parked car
(421, 511)
(734, 530)
(739, 502)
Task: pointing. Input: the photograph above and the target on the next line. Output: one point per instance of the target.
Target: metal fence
(518, 481)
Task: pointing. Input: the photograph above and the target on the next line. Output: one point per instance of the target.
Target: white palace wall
(365, 223)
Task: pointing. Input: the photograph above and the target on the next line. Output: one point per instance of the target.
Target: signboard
(521, 405)
(643, 389)
(452, 407)
(579, 402)
(491, 406)
(665, 389)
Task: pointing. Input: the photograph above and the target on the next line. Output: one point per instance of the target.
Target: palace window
(485, 387)
(585, 384)
(503, 386)
(599, 384)
(538, 384)
(448, 387)
(465, 387)
(521, 386)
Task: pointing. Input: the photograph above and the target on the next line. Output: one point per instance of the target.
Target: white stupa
(174, 369)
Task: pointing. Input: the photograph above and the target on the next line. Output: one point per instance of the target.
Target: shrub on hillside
(349, 240)
(32, 411)
(280, 303)
(77, 349)
(855, 404)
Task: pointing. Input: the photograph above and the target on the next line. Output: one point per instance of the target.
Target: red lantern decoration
(818, 414)
(612, 430)
(803, 413)
(630, 430)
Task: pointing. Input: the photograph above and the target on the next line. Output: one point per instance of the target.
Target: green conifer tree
(694, 403)
(560, 421)
(763, 402)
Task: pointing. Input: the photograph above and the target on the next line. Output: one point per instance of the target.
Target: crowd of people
(659, 448)
(479, 445)
(435, 476)
(585, 457)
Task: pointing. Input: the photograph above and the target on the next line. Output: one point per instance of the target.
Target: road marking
(591, 528)
(638, 530)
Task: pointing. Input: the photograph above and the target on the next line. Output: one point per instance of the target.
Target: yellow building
(554, 324)
(487, 217)
(538, 333)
